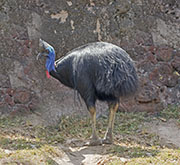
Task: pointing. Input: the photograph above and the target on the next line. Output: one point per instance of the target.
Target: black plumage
(97, 70)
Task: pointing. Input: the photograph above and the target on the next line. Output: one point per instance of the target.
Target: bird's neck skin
(54, 74)
(50, 61)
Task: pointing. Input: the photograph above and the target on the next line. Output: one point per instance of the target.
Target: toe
(107, 141)
(93, 142)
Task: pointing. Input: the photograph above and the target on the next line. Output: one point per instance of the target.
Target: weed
(172, 111)
(24, 143)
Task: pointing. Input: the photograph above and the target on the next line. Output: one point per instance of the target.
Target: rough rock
(22, 96)
(164, 54)
(163, 74)
(4, 83)
(176, 63)
(148, 30)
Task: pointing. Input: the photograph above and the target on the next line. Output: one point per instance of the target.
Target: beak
(40, 55)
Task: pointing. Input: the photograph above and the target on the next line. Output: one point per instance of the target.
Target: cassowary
(96, 70)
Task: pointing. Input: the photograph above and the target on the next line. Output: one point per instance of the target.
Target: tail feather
(118, 80)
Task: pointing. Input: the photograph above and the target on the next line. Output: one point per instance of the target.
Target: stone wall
(147, 29)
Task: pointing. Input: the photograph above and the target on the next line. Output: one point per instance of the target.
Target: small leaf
(162, 119)
(176, 73)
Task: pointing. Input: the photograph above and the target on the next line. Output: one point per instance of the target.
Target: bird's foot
(107, 140)
(94, 142)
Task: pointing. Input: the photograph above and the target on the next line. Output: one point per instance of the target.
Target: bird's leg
(94, 138)
(108, 138)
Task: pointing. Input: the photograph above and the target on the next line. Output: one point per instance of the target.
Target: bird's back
(105, 67)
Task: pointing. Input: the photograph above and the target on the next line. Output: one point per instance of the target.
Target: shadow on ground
(77, 153)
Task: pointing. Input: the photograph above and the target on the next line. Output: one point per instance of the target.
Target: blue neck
(50, 59)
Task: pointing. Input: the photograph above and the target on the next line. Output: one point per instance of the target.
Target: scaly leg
(108, 138)
(94, 138)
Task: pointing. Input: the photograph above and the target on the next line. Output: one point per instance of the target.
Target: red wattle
(47, 74)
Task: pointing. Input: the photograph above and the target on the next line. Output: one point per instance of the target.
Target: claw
(107, 141)
(94, 142)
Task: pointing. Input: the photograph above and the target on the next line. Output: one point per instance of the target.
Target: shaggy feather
(97, 71)
(107, 67)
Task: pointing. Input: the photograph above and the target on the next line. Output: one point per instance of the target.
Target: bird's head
(47, 51)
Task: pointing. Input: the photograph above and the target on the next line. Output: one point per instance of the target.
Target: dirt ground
(78, 154)
(73, 151)
(169, 132)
